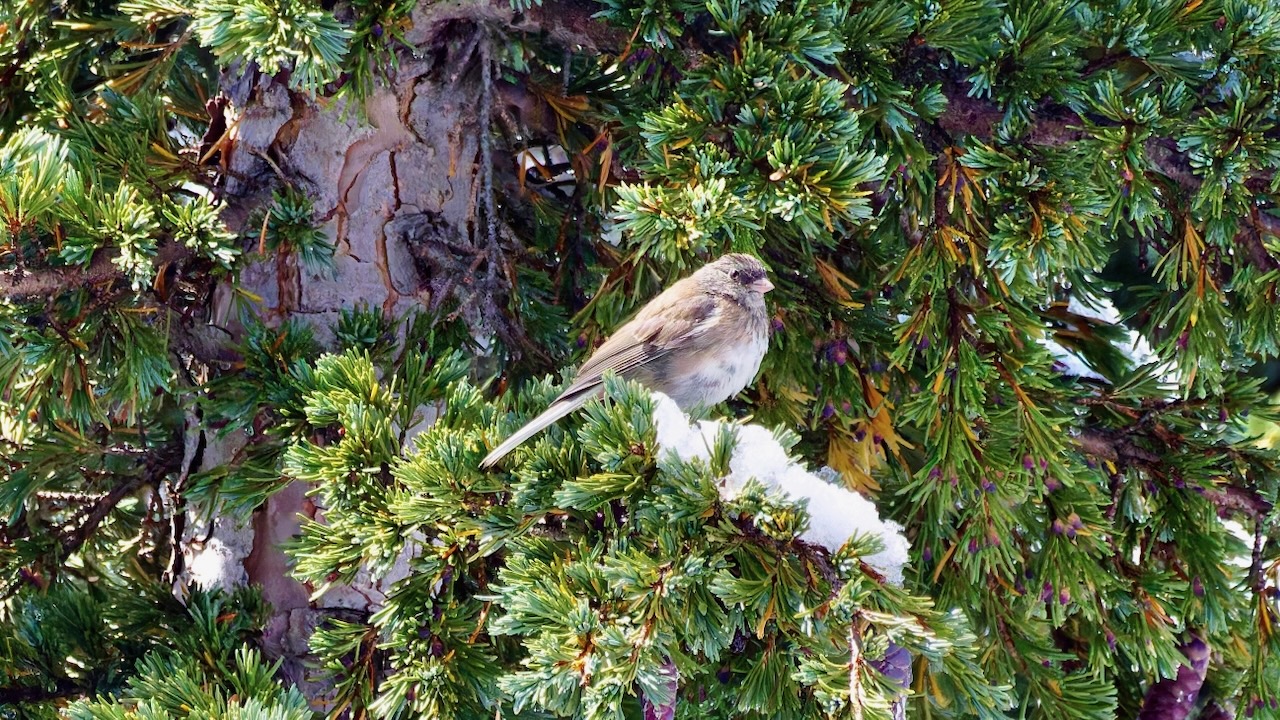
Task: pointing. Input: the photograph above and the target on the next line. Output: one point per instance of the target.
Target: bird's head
(740, 271)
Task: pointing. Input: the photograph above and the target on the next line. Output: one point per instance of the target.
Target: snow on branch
(835, 513)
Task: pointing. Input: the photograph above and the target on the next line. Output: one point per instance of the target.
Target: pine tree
(1026, 256)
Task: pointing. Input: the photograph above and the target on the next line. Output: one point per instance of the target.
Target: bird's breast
(714, 376)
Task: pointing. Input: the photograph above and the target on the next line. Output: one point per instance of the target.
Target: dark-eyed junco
(700, 342)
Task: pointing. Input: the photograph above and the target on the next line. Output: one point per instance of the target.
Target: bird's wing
(666, 324)
(661, 328)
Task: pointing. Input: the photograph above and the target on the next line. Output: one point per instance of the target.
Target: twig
(1257, 581)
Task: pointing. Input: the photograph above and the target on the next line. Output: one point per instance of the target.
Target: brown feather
(699, 341)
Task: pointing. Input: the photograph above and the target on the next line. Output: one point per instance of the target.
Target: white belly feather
(718, 376)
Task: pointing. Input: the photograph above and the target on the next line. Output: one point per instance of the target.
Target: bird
(699, 342)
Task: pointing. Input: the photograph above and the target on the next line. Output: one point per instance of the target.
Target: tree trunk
(403, 187)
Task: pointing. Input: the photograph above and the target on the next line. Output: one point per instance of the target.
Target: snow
(1137, 349)
(835, 513)
(1101, 310)
(1069, 362)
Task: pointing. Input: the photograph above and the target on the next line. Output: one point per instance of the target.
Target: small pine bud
(839, 353)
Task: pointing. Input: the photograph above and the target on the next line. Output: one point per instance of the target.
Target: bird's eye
(736, 275)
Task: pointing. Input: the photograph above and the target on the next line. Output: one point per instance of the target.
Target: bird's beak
(762, 285)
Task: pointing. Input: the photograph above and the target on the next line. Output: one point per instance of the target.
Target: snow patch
(1138, 349)
(1068, 363)
(1102, 310)
(835, 513)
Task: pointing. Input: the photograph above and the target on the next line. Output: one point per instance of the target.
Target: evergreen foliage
(950, 195)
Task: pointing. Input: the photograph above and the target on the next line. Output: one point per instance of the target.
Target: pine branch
(160, 462)
(1116, 447)
(25, 284)
(978, 117)
(1231, 500)
(61, 689)
(1120, 448)
(1251, 238)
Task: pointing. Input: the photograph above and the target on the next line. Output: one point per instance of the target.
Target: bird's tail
(557, 410)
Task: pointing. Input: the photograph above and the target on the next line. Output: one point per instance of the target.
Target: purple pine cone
(1173, 699)
(664, 708)
(895, 665)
